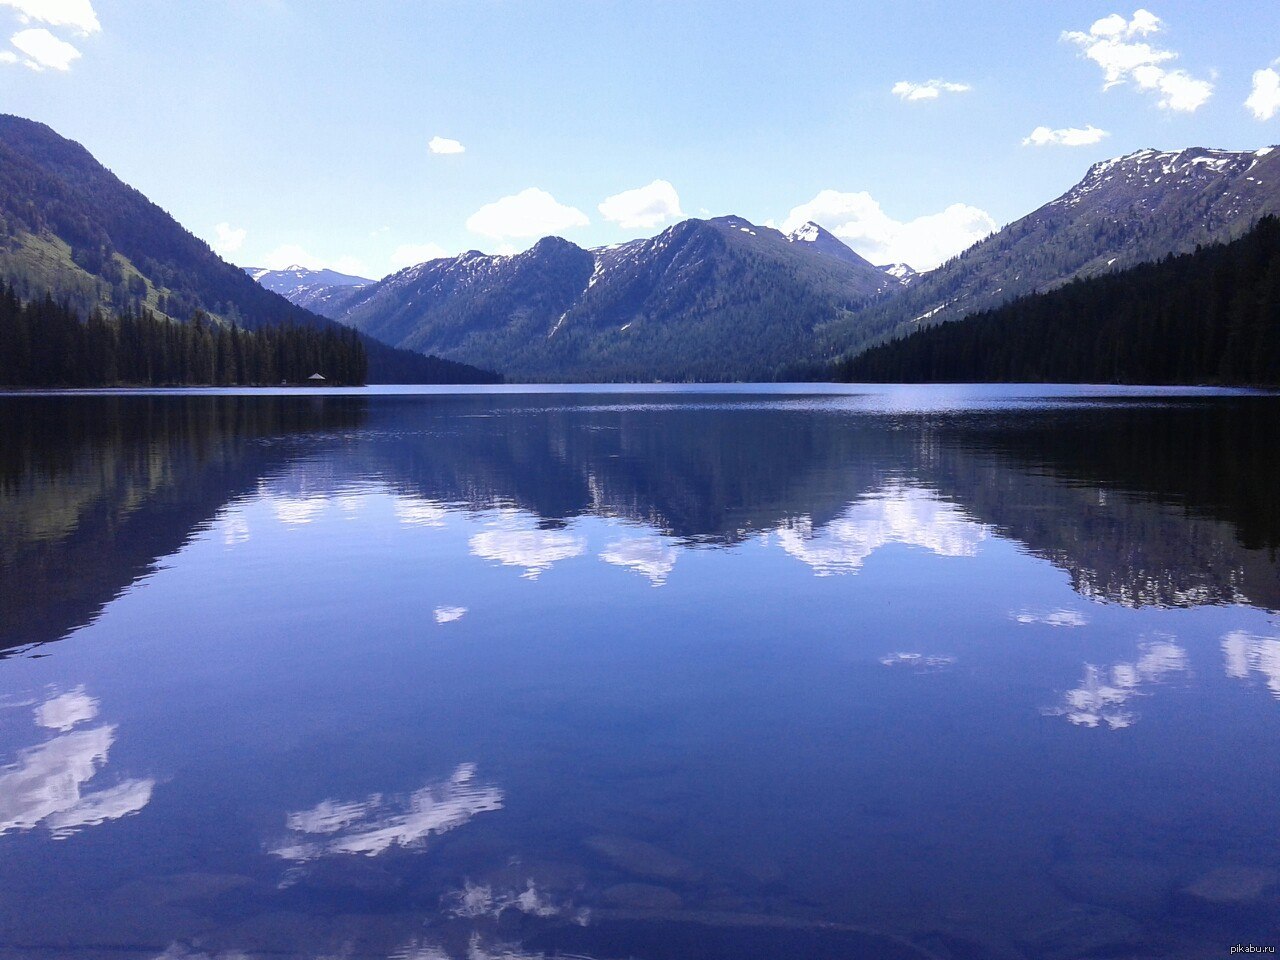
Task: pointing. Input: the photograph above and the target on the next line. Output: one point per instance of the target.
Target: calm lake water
(735, 673)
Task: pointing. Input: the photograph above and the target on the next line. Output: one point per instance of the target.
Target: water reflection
(377, 823)
(1104, 696)
(95, 490)
(515, 540)
(47, 785)
(648, 556)
(911, 516)
(1247, 654)
(740, 676)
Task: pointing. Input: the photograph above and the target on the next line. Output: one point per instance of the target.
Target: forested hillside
(1212, 316)
(71, 229)
(47, 344)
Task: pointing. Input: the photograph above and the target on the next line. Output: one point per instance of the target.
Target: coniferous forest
(47, 344)
(1212, 316)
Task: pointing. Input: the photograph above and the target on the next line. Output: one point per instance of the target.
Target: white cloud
(923, 242)
(449, 614)
(929, 90)
(443, 145)
(227, 239)
(529, 213)
(643, 207)
(1264, 99)
(412, 254)
(291, 254)
(1065, 137)
(43, 50)
(77, 14)
(1112, 44)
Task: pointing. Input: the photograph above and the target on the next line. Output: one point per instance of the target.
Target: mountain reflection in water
(927, 674)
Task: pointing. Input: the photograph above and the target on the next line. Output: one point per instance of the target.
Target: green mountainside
(1129, 210)
(1212, 316)
(71, 229)
(719, 299)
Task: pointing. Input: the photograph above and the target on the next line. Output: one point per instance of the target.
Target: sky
(366, 137)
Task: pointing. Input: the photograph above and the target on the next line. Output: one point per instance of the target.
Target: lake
(735, 672)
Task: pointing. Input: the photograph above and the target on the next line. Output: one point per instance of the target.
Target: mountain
(719, 299)
(820, 240)
(1211, 316)
(71, 228)
(310, 289)
(902, 272)
(1129, 210)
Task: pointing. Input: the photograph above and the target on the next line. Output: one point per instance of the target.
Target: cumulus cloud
(529, 213)
(289, 255)
(76, 14)
(443, 145)
(923, 242)
(928, 90)
(1114, 44)
(449, 614)
(412, 254)
(1264, 99)
(1065, 137)
(643, 207)
(227, 239)
(42, 50)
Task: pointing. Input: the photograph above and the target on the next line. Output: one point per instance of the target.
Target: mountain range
(71, 229)
(705, 299)
(725, 299)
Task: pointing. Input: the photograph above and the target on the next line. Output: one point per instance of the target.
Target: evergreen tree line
(1212, 316)
(47, 344)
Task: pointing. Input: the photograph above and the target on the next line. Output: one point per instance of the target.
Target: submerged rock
(642, 896)
(1136, 887)
(643, 859)
(1084, 931)
(1231, 885)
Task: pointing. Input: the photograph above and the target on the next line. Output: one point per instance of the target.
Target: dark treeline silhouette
(1212, 316)
(47, 344)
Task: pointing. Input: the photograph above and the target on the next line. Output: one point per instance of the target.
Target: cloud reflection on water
(897, 513)
(648, 555)
(1103, 694)
(1248, 653)
(511, 541)
(46, 786)
(377, 823)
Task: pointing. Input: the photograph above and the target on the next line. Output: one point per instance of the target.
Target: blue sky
(283, 130)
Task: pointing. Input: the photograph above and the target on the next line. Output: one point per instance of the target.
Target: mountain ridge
(70, 228)
(720, 298)
(1135, 208)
